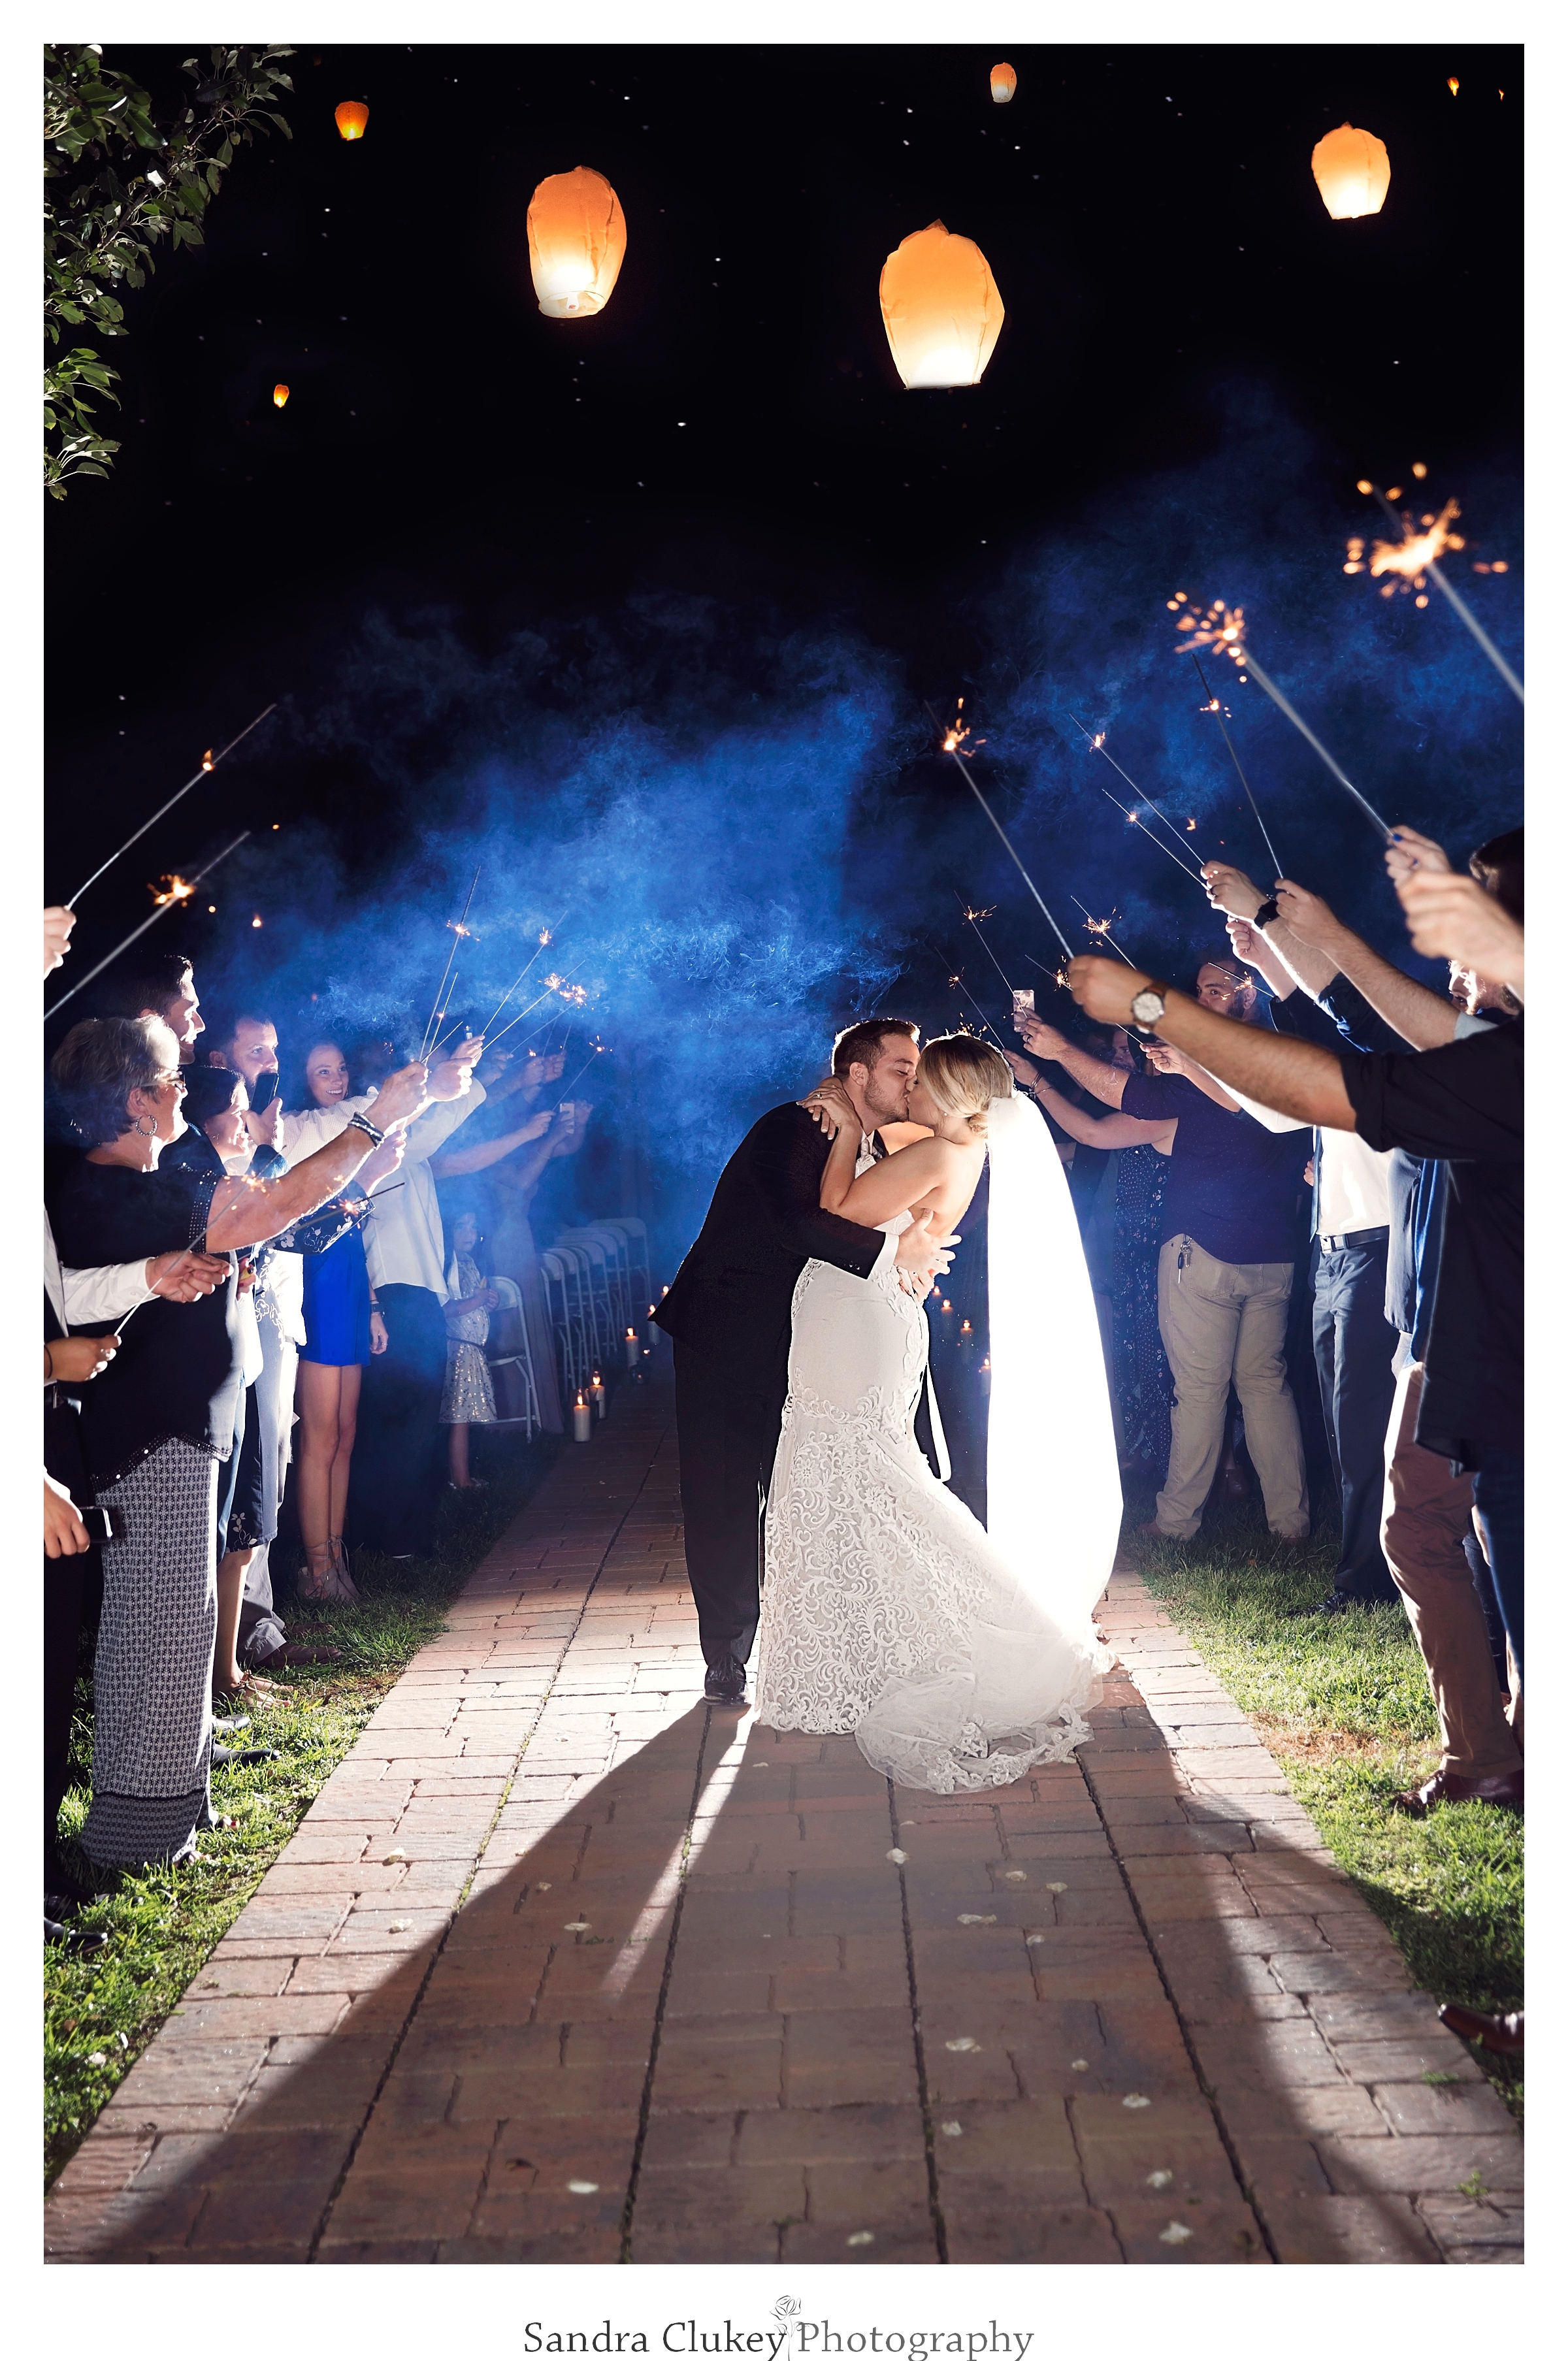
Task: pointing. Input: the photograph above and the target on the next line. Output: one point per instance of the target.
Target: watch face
(1147, 1007)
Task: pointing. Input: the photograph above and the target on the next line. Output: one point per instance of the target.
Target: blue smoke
(736, 827)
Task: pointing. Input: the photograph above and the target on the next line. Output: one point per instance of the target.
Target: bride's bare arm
(893, 1186)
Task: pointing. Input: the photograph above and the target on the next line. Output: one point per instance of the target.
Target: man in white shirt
(399, 1468)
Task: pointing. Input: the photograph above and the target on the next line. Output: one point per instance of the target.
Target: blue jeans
(1354, 1347)
(1499, 1507)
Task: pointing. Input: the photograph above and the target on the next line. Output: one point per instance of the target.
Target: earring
(146, 1126)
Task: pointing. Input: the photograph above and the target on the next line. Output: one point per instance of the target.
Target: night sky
(505, 572)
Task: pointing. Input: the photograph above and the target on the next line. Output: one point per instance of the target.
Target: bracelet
(357, 1122)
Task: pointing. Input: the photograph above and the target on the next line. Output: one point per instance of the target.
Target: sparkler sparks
(175, 889)
(163, 908)
(952, 744)
(1100, 929)
(209, 763)
(1224, 627)
(1412, 560)
(972, 918)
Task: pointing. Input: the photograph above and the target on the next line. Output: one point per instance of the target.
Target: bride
(959, 1654)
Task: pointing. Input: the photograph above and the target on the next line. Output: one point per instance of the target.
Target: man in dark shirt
(1463, 1103)
(1227, 1260)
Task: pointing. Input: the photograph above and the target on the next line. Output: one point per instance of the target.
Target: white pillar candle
(633, 1349)
(599, 1395)
(582, 1420)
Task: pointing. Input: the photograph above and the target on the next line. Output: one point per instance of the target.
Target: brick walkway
(564, 1965)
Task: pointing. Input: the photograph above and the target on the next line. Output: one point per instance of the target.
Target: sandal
(347, 1587)
(318, 1579)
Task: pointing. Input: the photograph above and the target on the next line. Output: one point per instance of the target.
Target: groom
(729, 1312)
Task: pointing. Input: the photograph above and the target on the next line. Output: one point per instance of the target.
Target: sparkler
(1218, 710)
(547, 937)
(956, 982)
(952, 743)
(1101, 927)
(209, 763)
(1188, 859)
(577, 998)
(437, 1012)
(166, 903)
(973, 917)
(599, 1050)
(1223, 629)
(1414, 556)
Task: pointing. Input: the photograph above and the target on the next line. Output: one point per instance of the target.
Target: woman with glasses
(160, 1422)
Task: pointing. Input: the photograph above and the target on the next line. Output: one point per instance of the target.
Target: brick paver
(565, 1966)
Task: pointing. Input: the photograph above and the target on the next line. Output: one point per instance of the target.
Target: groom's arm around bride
(729, 1312)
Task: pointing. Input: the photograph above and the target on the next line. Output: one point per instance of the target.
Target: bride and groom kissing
(957, 1653)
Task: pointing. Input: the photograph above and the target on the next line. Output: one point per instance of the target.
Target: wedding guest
(214, 1109)
(1461, 1103)
(398, 1473)
(469, 1398)
(160, 984)
(343, 1329)
(104, 1295)
(1428, 1505)
(158, 1424)
(1227, 1261)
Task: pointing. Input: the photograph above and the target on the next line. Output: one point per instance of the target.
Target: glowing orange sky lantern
(1004, 83)
(941, 308)
(280, 396)
(351, 118)
(577, 243)
(1350, 169)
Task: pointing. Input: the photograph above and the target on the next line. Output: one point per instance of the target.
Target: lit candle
(985, 1377)
(582, 1420)
(651, 1331)
(966, 1333)
(945, 1305)
(633, 1349)
(600, 1397)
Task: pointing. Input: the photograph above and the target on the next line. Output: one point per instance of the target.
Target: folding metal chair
(511, 1357)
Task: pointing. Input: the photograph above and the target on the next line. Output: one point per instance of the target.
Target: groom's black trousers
(728, 1435)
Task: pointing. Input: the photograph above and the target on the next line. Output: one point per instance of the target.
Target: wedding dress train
(959, 1654)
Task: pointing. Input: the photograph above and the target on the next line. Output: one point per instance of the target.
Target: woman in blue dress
(343, 1328)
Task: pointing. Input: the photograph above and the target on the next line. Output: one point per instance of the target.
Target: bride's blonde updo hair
(963, 1075)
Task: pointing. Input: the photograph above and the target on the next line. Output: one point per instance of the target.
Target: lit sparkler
(552, 983)
(1188, 858)
(170, 903)
(437, 1012)
(1100, 929)
(597, 1049)
(1223, 629)
(209, 762)
(547, 937)
(957, 984)
(1218, 710)
(1412, 560)
(972, 918)
(952, 743)
(175, 889)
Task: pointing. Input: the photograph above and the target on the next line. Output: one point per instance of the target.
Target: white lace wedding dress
(957, 1656)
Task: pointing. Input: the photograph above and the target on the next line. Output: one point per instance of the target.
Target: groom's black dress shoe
(726, 1682)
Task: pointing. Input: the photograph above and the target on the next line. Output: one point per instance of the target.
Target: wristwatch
(1266, 911)
(1148, 1007)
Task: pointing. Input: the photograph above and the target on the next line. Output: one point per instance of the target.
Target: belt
(1352, 1238)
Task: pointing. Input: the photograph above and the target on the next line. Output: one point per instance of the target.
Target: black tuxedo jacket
(731, 1295)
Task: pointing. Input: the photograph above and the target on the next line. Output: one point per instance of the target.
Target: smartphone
(100, 1524)
(264, 1090)
(1023, 1005)
(565, 1107)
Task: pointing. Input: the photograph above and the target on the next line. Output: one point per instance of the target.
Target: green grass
(101, 2012)
(1343, 1702)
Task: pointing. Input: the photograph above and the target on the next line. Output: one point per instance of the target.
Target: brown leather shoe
(1505, 2035)
(1450, 1787)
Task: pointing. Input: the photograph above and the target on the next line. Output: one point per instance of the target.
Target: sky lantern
(941, 308)
(1350, 169)
(1004, 83)
(280, 396)
(351, 118)
(577, 243)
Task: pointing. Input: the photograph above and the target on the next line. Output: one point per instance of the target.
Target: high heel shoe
(347, 1590)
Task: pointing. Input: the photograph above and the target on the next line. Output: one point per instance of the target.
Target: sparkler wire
(1457, 603)
(434, 1018)
(1196, 874)
(157, 815)
(534, 1004)
(1001, 832)
(1101, 933)
(1218, 712)
(161, 912)
(969, 919)
(954, 978)
(1191, 864)
(1283, 702)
